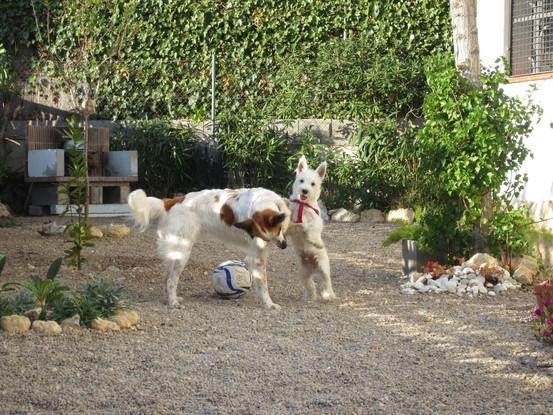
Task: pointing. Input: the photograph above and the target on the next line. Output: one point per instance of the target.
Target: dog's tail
(145, 208)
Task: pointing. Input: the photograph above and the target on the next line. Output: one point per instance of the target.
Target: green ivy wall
(163, 70)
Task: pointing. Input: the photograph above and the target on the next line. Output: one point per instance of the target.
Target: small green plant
(100, 298)
(78, 231)
(405, 231)
(107, 296)
(45, 291)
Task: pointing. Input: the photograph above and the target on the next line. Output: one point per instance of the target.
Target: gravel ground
(374, 351)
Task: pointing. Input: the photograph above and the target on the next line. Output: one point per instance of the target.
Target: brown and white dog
(246, 218)
(306, 229)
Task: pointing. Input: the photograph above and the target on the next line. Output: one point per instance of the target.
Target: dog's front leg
(257, 262)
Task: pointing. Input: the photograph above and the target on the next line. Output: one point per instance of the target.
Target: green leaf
(54, 269)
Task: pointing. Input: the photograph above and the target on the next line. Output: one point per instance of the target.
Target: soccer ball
(231, 279)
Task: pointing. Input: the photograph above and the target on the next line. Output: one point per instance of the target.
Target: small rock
(482, 289)
(401, 215)
(526, 272)
(408, 291)
(95, 232)
(344, 215)
(46, 327)
(480, 259)
(491, 293)
(104, 325)
(51, 229)
(414, 276)
(442, 282)
(418, 286)
(372, 216)
(131, 315)
(4, 212)
(118, 231)
(73, 322)
(33, 314)
(122, 321)
(422, 279)
(451, 286)
(499, 288)
(15, 324)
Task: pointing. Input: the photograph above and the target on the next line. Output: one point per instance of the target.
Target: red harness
(300, 210)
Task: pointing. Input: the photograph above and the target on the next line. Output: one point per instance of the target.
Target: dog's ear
(302, 165)
(321, 170)
(276, 219)
(248, 225)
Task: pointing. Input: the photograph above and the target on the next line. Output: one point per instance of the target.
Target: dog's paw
(271, 306)
(175, 304)
(328, 296)
(310, 296)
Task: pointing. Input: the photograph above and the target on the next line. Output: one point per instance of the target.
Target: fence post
(213, 99)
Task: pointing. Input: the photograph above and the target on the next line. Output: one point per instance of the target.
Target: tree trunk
(467, 61)
(465, 39)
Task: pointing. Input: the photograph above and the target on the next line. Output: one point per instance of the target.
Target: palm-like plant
(45, 291)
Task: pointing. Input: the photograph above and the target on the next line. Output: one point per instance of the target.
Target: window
(531, 36)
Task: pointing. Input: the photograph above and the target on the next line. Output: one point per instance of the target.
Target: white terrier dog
(306, 229)
(215, 214)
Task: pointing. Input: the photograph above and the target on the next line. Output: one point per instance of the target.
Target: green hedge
(163, 69)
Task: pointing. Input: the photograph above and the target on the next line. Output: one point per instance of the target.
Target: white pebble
(408, 291)
(491, 293)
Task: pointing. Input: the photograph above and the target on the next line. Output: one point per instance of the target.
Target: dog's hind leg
(174, 268)
(323, 264)
(175, 251)
(308, 265)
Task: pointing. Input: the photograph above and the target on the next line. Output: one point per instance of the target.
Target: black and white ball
(231, 279)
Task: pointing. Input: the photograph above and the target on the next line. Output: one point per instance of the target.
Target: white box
(121, 163)
(45, 163)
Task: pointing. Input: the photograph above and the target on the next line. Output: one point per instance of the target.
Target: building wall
(494, 35)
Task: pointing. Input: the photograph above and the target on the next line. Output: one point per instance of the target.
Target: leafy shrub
(45, 291)
(165, 154)
(254, 154)
(405, 231)
(107, 296)
(470, 143)
(98, 299)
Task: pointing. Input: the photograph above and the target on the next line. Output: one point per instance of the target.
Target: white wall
(493, 36)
